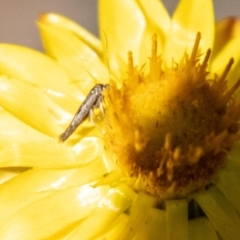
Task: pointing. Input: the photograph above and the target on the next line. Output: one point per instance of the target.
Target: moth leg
(91, 116)
(102, 108)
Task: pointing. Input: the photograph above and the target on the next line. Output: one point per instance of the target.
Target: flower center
(170, 130)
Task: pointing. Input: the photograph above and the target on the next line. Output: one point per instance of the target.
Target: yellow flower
(160, 163)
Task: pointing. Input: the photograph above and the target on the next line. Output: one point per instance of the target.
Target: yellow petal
(113, 176)
(66, 23)
(230, 181)
(15, 131)
(139, 214)
(54, 213)
(115, 229)
(62, 179)
(29, 103)
(157, 15)
(177, 219)
(50, 154)
(154, 227)
(127, 36)
(8, 173)
(23, 190)
(81, 62)
(189, 18)
(32, 66)
(33, 185)
(108, 208)
(218, 64)
(200, 228)
(66, 102)
(158, 22)
(226, 30)
(220, 212)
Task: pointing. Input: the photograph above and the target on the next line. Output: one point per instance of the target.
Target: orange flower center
(170, 130)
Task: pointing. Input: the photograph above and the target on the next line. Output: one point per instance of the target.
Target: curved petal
(177, 218)
(66, 207)
(189, 18)
(66, 102)
(7, 174)
(14, 130)
(122, 25)
(33, 185)
(158, 22)
(48, 154)
(18, 192)
(157, 15)
(66, 23)
(201, 228)
(81, 62)
(115, 229)
(226, 30)
(114, 203)
(213, 201)
(218, 64)
(29, 104)
(32, 66)
(229, 184)
(139, 214)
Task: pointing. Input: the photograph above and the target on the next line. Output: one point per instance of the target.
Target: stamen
(231, 91)
(153, 60)
(205, 62)
(130, 64)
(154, 47)
(195, 47)
(226, 70)
(220, 84)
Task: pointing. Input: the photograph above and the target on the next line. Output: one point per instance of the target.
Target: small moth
(93, 100)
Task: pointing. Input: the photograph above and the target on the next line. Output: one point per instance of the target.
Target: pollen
(170, 129)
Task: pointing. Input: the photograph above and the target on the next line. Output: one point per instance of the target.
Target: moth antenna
(107, 55)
